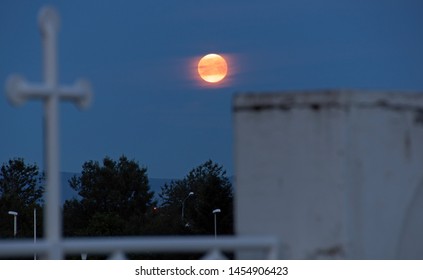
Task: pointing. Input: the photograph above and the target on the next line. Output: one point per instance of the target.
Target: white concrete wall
(334, 174)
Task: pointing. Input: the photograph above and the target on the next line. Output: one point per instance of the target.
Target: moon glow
(212, 68)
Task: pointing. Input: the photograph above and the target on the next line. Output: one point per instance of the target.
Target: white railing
(118, 247)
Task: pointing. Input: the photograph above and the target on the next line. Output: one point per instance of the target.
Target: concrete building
(334, 174)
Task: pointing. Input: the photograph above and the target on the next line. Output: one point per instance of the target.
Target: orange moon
(212, 68)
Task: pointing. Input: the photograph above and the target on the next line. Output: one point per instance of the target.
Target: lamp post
(215, 211)
(183, 206)
(15, 215)
(35, 230)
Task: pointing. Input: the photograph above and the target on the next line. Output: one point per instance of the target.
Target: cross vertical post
(18, 90)
(49, 25)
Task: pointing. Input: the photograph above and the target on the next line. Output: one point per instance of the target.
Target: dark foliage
(116, 200)
(212, 190)
(21, 190)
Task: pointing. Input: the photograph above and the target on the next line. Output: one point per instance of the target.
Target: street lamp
(215, 211)
(15, 215)
(183, 206)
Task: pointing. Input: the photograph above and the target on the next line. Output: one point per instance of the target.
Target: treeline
(116, 200)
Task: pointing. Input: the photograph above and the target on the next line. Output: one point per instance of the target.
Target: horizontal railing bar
(151, 244)
(22, 247)
(168, 244)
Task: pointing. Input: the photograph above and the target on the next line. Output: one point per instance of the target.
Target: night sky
(140, 58)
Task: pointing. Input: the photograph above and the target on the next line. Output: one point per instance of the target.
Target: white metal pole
(215, 226)
(49, 24)
(15, 218)
(182, 214)
(14, 214)
(215, 211)
(35, 230)
(183, 206)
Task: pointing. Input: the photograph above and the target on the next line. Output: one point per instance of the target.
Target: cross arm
(18, 91)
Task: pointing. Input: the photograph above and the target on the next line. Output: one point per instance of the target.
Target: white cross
(18, 91)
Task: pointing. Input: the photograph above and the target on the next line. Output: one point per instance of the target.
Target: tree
(115, 199)
(212, 190)
(21, 190)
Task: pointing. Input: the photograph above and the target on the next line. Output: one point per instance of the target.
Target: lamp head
(215, 211)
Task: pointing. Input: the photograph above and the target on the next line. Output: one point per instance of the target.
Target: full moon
(212, 68)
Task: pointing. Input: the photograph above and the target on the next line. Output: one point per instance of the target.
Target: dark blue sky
(139, 58)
